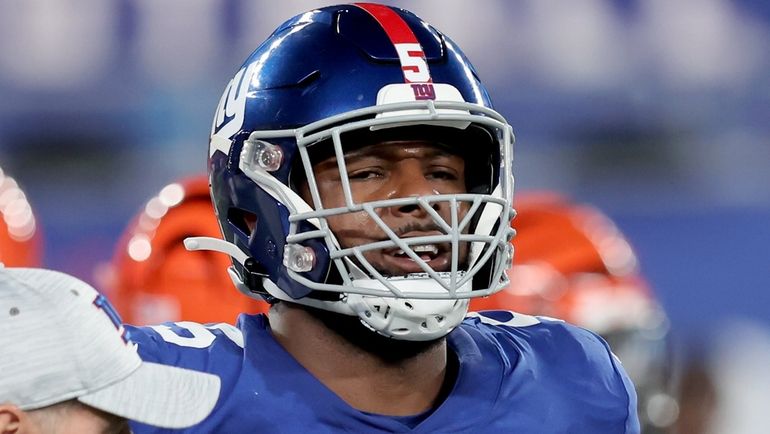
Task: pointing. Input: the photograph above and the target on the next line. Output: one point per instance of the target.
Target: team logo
(415, 70)
(423, 91)
(231, 110)
(411, 55)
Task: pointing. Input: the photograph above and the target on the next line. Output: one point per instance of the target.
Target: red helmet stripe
(395, 26)
(409, 50)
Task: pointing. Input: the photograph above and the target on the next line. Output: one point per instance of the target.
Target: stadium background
(658, 112)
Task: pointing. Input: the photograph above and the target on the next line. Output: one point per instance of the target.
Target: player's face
(390, 170)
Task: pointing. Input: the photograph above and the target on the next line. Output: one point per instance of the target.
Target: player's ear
(10, 419)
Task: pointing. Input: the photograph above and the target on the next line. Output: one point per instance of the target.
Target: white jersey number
(516, 320)
(202, 337)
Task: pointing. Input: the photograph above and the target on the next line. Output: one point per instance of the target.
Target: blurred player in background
(153, 278)
(571, 262)
(363, 186)
(20, 236)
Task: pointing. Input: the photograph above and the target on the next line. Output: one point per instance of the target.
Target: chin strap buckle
(253, 273)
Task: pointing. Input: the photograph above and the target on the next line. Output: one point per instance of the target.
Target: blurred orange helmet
(571, 262)
(153, 278)
(20, 237)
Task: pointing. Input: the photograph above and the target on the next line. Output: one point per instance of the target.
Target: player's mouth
(438, 257)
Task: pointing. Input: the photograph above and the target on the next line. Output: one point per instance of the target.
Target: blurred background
(655, 111)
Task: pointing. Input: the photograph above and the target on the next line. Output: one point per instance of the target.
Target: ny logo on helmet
(232, 106)
(423, 91)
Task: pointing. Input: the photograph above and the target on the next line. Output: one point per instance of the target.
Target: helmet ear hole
(243, 220)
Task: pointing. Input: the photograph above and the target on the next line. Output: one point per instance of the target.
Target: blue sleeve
(632, 421)
(607, 366)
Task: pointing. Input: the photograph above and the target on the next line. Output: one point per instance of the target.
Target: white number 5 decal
(413, 63)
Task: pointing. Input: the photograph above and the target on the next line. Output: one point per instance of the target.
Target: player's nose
(410, 182)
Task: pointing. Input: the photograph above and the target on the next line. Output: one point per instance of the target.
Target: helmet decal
(410, 52)
(230, 113)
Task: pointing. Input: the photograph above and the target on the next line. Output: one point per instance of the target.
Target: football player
(362, 182)
(152, 278)
(573, 263)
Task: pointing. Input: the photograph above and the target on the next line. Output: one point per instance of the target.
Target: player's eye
(365, 174)
(442, 174)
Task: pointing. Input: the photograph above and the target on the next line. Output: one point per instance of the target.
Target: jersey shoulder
(190, 344)
(559, 364)
(553, 348)
(540, 334)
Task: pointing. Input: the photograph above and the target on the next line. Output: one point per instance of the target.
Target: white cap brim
(159, 395)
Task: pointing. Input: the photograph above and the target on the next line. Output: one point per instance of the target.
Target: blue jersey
(517, 374)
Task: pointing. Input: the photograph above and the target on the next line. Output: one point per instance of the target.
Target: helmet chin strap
(406, 318)
(397, 318)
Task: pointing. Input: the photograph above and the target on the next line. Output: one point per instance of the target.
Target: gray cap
(60, 340)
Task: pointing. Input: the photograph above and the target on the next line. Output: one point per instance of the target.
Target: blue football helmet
(358, 72)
